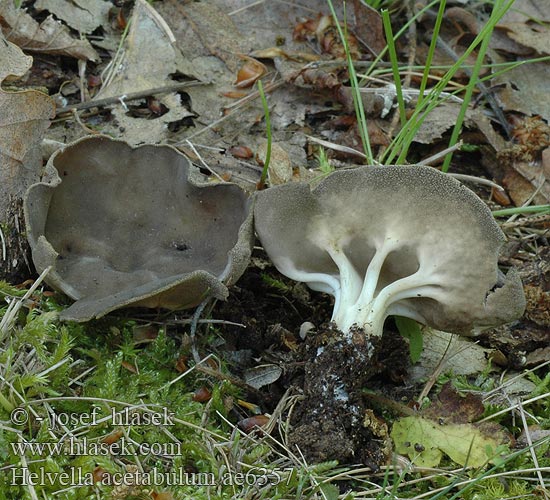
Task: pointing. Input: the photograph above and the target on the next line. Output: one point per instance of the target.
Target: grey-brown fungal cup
(395, 240)
(124, 226)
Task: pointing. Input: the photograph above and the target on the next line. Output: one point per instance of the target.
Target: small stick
(128, 97)
(432, 159)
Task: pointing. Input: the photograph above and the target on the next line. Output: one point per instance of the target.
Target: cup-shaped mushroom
(395, 240)
(123, 226)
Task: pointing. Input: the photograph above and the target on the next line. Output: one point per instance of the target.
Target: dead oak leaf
(82, 15)
(50, 36)
(524, 89)
(532, 36)
(150, 59)
(524, 10)
(24, 116)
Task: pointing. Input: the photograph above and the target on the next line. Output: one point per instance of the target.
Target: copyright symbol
(19, 416)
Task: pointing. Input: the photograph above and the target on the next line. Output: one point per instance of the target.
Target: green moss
(72, 380)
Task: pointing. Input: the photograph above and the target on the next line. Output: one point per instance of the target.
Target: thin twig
(432, 159)
(477, 180)
(187, 321)
(531, 448)
(204, 164)
(336, 147)
(132, 96)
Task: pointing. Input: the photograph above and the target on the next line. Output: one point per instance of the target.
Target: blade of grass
(395, 65)
(401, 143)
(357, 101)
(263, 177)
(536, 209)
(404, 29)
(431, 50)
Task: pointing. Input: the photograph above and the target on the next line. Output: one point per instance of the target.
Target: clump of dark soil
(329, 421)
(327, 369)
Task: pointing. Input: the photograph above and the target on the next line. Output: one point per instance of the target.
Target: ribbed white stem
(370, 315)
(372, 275)
(350, 283)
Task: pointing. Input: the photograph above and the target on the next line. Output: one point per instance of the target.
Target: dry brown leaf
(368, 27)
(50, 37)
(262, 375)
(249, 72)
(526, 178)
(12, 61)
(280, 167)
(24, 116)
(150, 60)
(82, 15)
(457, 354)
(216, 29)
(534, 36)
(525, 89)
(524, 10)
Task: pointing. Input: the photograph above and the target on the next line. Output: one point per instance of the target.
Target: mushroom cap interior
(416, 221)
(125, 225)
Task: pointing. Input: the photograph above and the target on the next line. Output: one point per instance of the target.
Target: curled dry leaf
(49, 37)
(202, 394)
(252, 423)
(243, 152)
(249, 72)
(234, 94)
(324, 31)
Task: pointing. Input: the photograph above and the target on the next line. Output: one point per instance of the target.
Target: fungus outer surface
(394, 240)
(135, 226)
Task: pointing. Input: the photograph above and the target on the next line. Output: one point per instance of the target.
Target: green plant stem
(431, 50)
(535, 209)
(395, 66)
(356, 93)
(263, 177)
(404, 29)
(400, 144)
